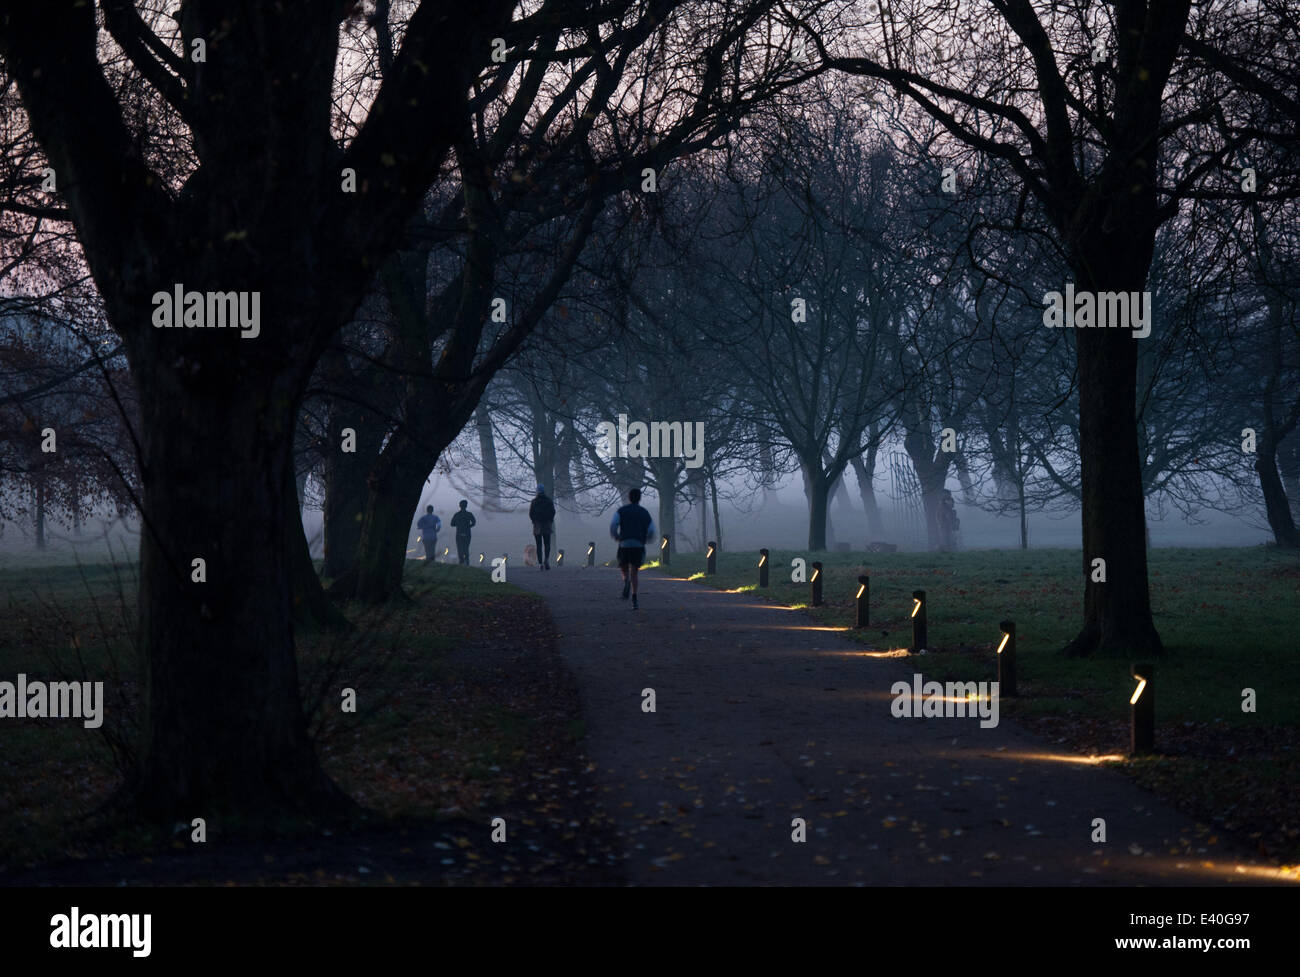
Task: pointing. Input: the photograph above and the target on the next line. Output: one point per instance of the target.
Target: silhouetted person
(463, 522)
(429, 526)
(542, 513)
(633, 527)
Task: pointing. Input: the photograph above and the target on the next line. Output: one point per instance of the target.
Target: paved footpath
(762, 716)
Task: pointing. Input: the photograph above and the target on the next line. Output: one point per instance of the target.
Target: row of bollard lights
(1141, 704)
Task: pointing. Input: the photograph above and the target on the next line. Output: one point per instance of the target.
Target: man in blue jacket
(633, 527)
(429, 526)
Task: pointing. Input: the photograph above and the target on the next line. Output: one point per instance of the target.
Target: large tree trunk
(1117, 612)
(488, 449)
(226, 731)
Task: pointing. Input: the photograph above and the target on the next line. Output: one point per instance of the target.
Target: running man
(463, 522)
(429, 526)
(633, 527)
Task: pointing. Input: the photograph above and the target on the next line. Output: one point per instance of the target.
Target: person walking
(542, 514)
(633, 527)
(463, 522)
(429, 527)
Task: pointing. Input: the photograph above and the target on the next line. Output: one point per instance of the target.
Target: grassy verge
(462, 712)
(1229, 619)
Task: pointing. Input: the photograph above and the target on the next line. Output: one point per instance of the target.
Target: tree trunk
(717, 517)
(818, 505)
(665, 475)
(312, 608)
(345, 484)
(964, 479)
(1276, 507)
(226, 731)
(1117, 612)
(767, 471)
(40, 512)
(704, 515)
(931, 472)
(393, 494)
(488, 449)
(866, 489)
(1024, 521)
(563, 463)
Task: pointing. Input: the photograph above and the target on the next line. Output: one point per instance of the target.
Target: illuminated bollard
(862, 602)
(591, 554)
(711, 558)
(918, 621)
(664, 552)
(480, 559)
(762, 568)
(1007, 659)
(559, 559)
(1143, 706)
(817, 585)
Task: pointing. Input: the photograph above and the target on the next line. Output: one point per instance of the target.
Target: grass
(457, 703)
(1229, 619)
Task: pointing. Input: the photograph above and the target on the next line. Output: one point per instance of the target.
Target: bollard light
(918, 622)
(591, 554)
(480, 559)
(711, 558)
(816, 582)
(664, 552)
(1007, 659)
(862, 602)
(762, 568)
(559, 559)
(1143, 709)
(446, 550)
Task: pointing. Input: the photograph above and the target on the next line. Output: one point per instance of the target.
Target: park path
(762, 716)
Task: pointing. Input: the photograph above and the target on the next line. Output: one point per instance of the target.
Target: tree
(260, 211)
(1089, 137)
(810, 298)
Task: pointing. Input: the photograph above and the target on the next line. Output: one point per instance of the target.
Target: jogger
(463, 522)
(429, 526)
(633, 527)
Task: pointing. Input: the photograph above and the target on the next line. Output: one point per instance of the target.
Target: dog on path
(530, 555)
